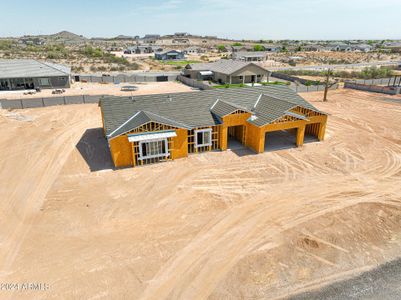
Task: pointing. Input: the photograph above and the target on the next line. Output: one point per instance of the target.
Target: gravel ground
(382, 283)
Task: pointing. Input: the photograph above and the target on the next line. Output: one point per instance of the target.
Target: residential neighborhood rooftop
(20, 68)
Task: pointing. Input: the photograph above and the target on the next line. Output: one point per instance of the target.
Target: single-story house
(170, 55)
(180, 41)
(241, 48)
(143, 49)
(151, 38)
(363, 48)
(194, 50)
(153, 128)
(271, 48)
(21, 74)
(342, 48)
(312, 48)
(250, 56)
(393, 47)
(227, 71)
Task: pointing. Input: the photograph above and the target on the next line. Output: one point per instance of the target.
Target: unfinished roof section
(269, 109)
(141, 118)
(199, 109)
(223, 66)
(223, 108)
(23, 68)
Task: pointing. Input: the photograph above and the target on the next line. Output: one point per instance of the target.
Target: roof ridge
(234, 105)
(168, 119)
(126, 122)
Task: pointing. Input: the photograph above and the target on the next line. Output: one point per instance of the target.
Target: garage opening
(281, 139)
(161, 78)
(311, 133)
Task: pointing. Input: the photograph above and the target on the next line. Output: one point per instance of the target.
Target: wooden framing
(215, 140)
(126, 154)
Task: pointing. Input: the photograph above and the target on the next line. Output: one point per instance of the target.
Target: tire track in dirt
(39, 174)
(194, 272)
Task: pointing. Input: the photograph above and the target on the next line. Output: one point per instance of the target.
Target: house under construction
(152, 128)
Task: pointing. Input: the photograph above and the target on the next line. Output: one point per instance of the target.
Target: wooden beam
(300, 135)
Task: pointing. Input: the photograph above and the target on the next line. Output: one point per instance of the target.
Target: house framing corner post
(300, 135)
(322, 131)
(261, 144)
(230, 80)
(223, 137)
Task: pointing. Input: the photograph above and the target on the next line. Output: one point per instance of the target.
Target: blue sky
(252, 19)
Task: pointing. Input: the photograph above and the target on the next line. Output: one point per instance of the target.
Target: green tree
(258, 48)
(221, 48)
(237, 44)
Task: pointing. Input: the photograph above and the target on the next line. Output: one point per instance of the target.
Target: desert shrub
(6, 45)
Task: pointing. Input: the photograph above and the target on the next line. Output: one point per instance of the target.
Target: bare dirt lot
(80, 88)
(216, 225)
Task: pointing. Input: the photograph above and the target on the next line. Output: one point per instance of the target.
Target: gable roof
(22, 68)
(269, 109)
(199, 108)
(223, 108)
(224, 66)
(141, 118)
(250, 54)
(168, 51)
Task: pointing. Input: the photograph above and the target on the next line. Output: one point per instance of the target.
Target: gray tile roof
(250, 54)
(269, 108)
(165, 51)
(22, 68)
(195, 109)
(223, 108)
(224, 66)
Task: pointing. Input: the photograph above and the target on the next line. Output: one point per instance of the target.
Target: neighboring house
(241, 48)
(170, 55)
(312, 48)
(271, 48)
(151, 38)
(227, 71)
(153, 128)
(363, 48)
(27, 40)
(194, 50)
(342, 48)
(250, 56)
(143, 49)
(21, 74)
(180, 41)
(129, 50)
(352, 48)
(393, 47)
(181, 34)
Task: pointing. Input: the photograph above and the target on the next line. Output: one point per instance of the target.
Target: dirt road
(216, 225)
